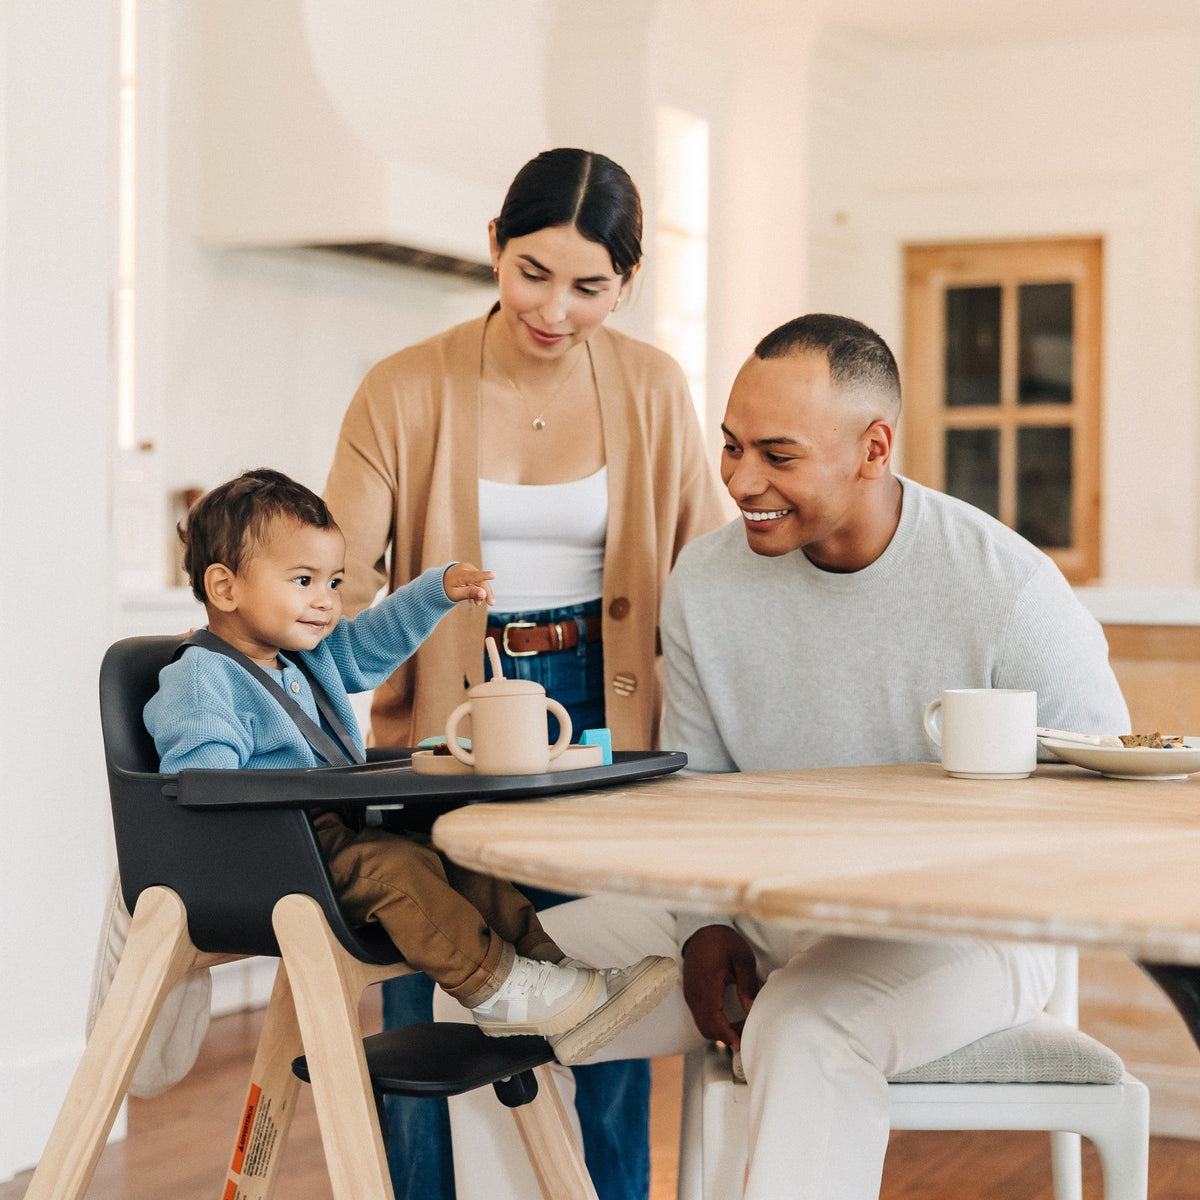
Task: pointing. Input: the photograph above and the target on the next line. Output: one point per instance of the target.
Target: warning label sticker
(262, 1143)
(239, 1151)
(257, 1138)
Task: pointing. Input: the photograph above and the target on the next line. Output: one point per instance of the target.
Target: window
(1002, 386)
(681, 246)
(126, 215)
(139, 503)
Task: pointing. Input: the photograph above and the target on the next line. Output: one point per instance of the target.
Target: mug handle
(935, 734)
(452, 724)
(564, 727)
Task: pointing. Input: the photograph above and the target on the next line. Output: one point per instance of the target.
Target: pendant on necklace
(539, 423)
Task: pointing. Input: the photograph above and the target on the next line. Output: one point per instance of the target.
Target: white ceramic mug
(508, 728)
(985, 733)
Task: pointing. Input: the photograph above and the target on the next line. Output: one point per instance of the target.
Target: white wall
(261, 350)
(265, 349)
(56, 272)
(1096, 137)
(749, 79)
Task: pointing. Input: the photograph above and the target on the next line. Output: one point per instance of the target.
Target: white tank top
(544, 541)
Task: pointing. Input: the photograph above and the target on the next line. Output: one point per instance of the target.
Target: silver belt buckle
(504, 639)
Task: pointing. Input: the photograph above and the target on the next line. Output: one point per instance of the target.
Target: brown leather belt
(519, 639)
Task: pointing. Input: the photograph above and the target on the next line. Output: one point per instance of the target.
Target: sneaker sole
(548, 1027)
(614, 1016)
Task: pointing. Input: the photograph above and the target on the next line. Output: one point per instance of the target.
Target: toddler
(266, 559)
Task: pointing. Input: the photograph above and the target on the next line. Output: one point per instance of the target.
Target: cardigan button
(619, 608)
(295, 686)
(625, 683)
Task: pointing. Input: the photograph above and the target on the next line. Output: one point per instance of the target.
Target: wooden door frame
(929, 269)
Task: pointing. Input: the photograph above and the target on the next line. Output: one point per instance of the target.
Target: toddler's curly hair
(227, 523)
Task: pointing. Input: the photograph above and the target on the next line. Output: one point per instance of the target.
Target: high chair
(219, 865)
(1043, 1075)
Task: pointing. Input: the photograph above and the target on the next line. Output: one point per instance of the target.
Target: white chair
(1043, 1075)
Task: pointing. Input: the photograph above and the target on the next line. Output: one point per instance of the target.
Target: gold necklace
(539, 422)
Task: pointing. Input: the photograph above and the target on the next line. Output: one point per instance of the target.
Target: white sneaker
(540, 997)
(629, 994)
(736, 1069)
(578, 1008)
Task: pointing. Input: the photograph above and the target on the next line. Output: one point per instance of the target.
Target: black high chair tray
(392, 785)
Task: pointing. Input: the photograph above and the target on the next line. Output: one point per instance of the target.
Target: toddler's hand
(464, 581)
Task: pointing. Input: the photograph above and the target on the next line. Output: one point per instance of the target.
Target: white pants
(835, 1018)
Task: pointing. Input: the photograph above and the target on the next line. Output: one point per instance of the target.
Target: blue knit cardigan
(210, 712)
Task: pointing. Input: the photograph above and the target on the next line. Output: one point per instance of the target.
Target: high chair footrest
(443, 1059)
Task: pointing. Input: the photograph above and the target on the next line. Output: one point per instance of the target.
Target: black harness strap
(339, 750)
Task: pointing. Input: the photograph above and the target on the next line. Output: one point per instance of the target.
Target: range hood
(384, 128)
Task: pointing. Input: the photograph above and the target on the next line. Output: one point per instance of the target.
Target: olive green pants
(460, 928)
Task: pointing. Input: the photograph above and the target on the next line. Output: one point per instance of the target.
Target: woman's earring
(618, 303)
(496, 274)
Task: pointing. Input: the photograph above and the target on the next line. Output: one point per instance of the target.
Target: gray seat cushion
(1043, 1051)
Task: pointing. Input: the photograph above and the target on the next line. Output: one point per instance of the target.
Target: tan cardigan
(405, 474)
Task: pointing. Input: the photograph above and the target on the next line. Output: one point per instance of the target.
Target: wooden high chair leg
(327, 983)
(266, 1120)
(554, 1154)
(157, 955)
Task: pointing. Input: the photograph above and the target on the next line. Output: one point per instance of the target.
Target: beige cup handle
(452, 724)
(935, 734)
(564, 727)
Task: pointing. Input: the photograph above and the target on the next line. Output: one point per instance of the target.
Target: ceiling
(950, 21)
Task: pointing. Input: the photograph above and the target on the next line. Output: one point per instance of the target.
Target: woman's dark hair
(578, 188)
(224, 524)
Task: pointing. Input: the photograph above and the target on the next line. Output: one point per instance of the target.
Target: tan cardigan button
(625, 684)
(619, 608)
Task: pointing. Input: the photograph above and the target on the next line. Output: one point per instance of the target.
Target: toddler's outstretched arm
(464, 581)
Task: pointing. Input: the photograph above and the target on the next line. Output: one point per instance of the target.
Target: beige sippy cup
(508, 726)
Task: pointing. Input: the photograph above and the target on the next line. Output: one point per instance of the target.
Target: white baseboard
(244, 984)
(31, 1093)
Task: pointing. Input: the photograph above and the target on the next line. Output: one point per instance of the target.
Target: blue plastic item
(601, 738)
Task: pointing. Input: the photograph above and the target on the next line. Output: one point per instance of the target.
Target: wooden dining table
(1064, 856)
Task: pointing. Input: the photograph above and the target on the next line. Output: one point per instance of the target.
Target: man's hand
(464, 581)
(716, 957)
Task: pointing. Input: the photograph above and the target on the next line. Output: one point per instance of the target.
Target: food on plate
(1152, 741)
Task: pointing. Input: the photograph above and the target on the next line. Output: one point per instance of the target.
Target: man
(812, 632)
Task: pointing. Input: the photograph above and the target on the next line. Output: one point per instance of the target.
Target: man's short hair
(224, 525)
(859, 359)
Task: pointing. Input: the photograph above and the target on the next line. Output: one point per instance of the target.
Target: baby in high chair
(266, 559)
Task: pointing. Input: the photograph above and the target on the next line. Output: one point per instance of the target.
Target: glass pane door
(972, 346)
(1046, 332)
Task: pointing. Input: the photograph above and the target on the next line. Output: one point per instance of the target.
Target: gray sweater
(773, 663)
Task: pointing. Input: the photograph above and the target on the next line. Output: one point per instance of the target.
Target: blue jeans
(613, 1099)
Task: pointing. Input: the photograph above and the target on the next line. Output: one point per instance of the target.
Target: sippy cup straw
(494, 654)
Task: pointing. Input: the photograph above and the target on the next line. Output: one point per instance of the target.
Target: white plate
(1132, 762)
(425, 762)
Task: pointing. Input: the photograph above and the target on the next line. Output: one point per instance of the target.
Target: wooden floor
(178, 1145)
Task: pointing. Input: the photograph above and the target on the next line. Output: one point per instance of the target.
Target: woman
(567, 458)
